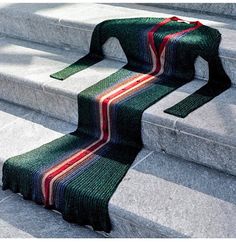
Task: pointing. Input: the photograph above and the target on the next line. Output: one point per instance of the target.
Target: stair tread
(32, 63)
(160, 195)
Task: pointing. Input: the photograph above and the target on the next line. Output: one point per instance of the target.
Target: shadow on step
(218, 22)
(34, 7)
(35, 117)
(26, 52)
(191, 175)
(20, 218)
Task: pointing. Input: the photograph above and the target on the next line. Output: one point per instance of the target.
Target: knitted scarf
(78, 173)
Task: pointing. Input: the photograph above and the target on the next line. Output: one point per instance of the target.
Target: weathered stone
(28, 132)
(20, 219)
(220, 9)
(206, 136)
(170, 197)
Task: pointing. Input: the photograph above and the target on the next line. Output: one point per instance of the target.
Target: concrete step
(206, 136)
(160, 196)
(22, 130)
(25, 70)
(163, 196)
(71, 26)
(24, 219)
(227, 10)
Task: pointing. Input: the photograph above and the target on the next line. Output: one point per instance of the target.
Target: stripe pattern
(78, 173)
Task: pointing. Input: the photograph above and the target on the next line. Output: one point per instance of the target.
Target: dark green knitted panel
(79, 65)
(204, 42)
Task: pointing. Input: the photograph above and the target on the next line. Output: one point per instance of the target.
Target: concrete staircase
(182, 184)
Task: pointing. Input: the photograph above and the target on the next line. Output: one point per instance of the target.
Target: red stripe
(151, 38)
(171, 36)
(62, 168)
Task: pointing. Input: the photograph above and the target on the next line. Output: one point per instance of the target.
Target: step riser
(53, 104)
(220, 9)
(53, 33)
(124, 228)
(189, 147)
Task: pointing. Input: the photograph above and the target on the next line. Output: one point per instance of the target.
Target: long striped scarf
(78, 173)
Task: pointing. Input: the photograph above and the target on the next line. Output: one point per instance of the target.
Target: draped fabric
(78, 173)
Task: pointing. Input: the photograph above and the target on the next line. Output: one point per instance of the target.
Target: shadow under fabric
(78, 173)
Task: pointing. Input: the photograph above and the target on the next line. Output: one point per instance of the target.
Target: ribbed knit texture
(78, 173)
(83, 63)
